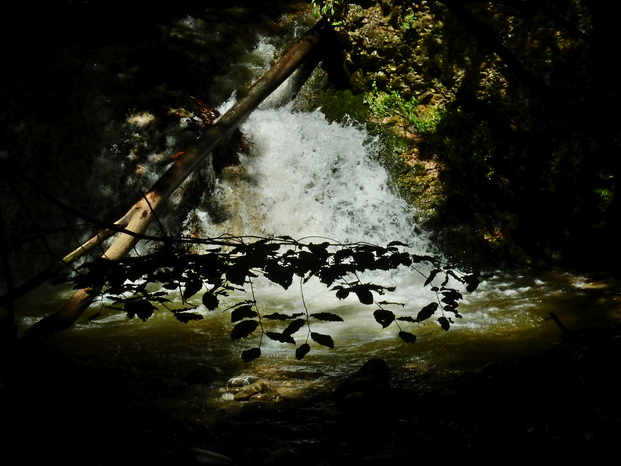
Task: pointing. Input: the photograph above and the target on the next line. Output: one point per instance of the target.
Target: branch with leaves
(222, 270)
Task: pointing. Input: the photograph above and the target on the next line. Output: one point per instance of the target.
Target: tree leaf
(250, 354)
(444, 323)
(277, 273)
(325, 340)
(141, 308)
(407, 319)
(278, 316)
(407, 337)
(185, 317)
(364, 294)
(431, 276)
(384, 317)
(243, 329)
(302, 351)
(342, 293)
(281, 337)
(294, 326)
(396, 243)
(237, 274)
(192, 287)
(242, 312)
(426, 312)
(327, 316)
(210, 301)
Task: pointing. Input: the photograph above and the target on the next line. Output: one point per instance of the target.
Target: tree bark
(140, 215)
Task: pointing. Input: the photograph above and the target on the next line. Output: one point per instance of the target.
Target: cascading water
(304, 176)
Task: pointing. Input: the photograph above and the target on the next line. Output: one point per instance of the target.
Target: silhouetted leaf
(407, 319)
(281, 337)
(396, 243)
(278, 274)
(325, 340)
(387, 303)
(210, 301)
(407, 337)
(384, 317)
(327, 316)
(185, 317)
(472, 286)
(364, 294)
(431, 276)
(294, 326)
(250, 354)
(426, 312)
(444, 323)
(278, 316)
(243, 329)
(472, 282)
(342, 293)
(192, 287)
(452, 294)
(302, 351)
(237, 273)
(141, 308)
(242, 312)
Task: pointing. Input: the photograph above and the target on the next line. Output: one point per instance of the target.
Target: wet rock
(257, 391)
(240, 381)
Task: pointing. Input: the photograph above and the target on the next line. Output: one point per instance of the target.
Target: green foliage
(228, 265)
(330, 9)
(408, 21)
(390, 104)
(336, 105)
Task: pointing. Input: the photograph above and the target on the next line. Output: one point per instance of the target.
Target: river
(304, 176)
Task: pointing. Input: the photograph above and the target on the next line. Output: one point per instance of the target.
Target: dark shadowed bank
(558, 405)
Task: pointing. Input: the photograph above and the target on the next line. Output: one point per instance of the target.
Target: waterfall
(305, 176)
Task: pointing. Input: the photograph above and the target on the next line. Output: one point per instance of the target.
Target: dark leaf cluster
(227, 266)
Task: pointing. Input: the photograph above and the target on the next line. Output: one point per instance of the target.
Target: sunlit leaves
(243, 329)
(325, 340)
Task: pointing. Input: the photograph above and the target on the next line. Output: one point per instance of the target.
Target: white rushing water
(304, 176)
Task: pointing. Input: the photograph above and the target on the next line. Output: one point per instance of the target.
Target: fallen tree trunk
(140, 215)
